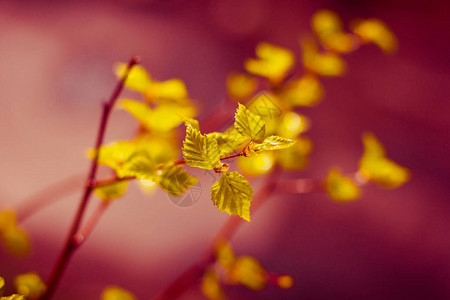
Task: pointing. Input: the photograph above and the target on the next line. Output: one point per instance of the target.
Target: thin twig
(71, 244)
(85, 231)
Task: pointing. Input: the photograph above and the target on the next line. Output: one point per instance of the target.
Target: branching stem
(71, 243)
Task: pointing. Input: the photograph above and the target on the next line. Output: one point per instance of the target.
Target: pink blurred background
(56, 59)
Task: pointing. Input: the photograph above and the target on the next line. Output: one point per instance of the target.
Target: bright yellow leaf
(111, 191)
(240, 86)
(138, 78)
(328, 27)
(201, 151)
(341, 188)
(273, 62)
(232, 193)
(325, 63)
(249, 124)
(172, 89)
(375, 166)
(305, 91)
(247, 271)
(295, 157)
(164, 117)
(30, 285)
(116, 293)
(377, 32)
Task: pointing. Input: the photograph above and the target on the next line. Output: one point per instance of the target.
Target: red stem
(82, 235)
(71, 244)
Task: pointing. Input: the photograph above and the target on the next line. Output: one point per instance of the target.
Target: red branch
(71, 244)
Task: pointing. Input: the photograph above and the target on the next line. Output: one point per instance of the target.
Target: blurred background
(56, 61)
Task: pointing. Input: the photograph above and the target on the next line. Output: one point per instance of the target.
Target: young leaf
(111, 191)
(232, 193)
(164, 117)
(249, 124)
(138, 78)
(175, 180)
(228, 141)
(340, 187)
(273, 143)
(138, 165)
(114, 155)
(201, 151)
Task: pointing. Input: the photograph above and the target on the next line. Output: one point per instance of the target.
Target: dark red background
(56, 59)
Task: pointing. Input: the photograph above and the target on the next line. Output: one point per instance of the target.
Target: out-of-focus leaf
(341, 188)
(249, 124)
(240, 86)
(175, 180)
(247, 271)
(111, 191)
(305, 91)
(375, 166)
(377, 32)
(16, 241)
(116, 293)
(162, 118)
(173, 89)
(232, 193)
(273, 62)
(295, 157)
(30, 285)
(138, 78)
(257, 165)
(324, 64)
(210, 286)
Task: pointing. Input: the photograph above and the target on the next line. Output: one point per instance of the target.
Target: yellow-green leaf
(111, 191)
(199, 150)
(116, 293)
(228, 141)
(273, 143)
(232, 193)
(249, 124)
(175, 180)
(30, 285)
